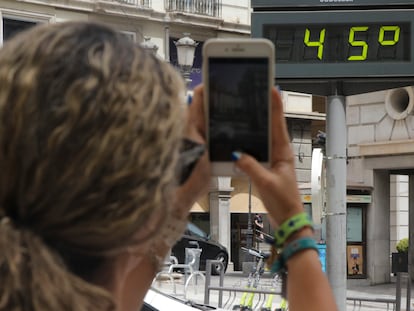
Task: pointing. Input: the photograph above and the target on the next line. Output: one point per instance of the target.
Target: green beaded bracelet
(291, 226)
(292, 249)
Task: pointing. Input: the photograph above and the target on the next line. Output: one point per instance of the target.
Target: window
(354, 224)
(130, 35)
(193, 230)
(13, 26)
(13, 22)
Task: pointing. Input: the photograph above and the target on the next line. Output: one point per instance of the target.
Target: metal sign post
(336, 198)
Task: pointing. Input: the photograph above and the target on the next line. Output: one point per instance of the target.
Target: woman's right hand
(280, 194)
(277, 187)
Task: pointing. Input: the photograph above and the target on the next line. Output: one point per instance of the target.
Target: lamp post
(249, 234)
(185, 55)
(149, 45)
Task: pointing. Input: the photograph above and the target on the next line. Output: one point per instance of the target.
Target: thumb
(250, 166)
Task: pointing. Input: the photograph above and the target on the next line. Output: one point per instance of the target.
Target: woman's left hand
(198, 182)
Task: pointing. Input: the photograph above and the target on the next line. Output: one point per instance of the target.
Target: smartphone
(238, 77)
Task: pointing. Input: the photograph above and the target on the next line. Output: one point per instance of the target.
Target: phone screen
(238, 107)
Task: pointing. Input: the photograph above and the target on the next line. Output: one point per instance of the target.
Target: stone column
(220, 230)
(378, 230)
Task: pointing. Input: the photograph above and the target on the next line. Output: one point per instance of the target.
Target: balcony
(200, 7)
(137, 3)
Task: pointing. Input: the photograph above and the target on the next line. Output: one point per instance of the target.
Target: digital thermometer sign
(339, 43)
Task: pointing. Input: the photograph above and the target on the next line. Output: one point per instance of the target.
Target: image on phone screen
(238, 107)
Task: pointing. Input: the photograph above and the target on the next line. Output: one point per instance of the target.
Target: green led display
(339, 43)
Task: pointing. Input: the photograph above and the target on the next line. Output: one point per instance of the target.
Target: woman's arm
(307, 285)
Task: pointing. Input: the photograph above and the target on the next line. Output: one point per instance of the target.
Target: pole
(336, 198)
(187, 79)
(249, 237)
(167, 38)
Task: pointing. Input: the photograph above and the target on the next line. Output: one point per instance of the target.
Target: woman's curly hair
(90, 126)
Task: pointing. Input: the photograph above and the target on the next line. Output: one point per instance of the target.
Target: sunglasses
(190, 153)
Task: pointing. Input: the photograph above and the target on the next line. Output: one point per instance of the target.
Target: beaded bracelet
(291, 226)
(292, 249)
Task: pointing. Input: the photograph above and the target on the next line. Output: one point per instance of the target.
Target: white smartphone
(238, 76)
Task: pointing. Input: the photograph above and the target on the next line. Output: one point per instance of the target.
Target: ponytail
(34, 277)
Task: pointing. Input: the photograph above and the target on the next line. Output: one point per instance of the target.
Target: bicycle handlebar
(253, 252)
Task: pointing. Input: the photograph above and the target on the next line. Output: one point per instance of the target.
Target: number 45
(351, 40)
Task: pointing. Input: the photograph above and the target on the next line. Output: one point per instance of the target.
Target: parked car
(210, 249)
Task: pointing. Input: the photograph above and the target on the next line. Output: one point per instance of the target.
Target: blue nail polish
(189, 99)
(236, 155)
(278, 88)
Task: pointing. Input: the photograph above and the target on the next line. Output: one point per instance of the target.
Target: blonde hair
(90, 127)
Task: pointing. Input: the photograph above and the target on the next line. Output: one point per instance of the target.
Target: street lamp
(149, 45)
(185, 54)
(249, 233)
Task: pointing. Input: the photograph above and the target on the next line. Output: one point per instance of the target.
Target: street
(196, 292)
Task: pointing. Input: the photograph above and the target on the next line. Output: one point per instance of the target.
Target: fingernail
(278, 88)
(189, 99)
(236, 155)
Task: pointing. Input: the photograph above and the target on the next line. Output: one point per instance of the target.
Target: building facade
(381, 160)
(224, 212)
(160, 20)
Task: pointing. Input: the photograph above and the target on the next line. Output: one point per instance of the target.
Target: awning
(239, 203)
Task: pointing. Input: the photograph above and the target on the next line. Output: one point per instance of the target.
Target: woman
(90, 133)
(90, 130)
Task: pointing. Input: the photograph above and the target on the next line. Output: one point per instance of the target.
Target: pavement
(355, 288)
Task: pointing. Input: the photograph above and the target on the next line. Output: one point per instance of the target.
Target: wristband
(291, 226)
(292, 249)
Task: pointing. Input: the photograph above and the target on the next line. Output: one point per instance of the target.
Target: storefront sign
(359, 199)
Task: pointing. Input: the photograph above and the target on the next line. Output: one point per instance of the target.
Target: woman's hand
(199, 180)
(277, 187)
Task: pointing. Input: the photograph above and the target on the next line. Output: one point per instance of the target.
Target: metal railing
(231, 292)
(394, 301)
(138, 3)
(199, 7)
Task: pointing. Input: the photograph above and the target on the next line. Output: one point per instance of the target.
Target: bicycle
(276, 285)
(246, 300)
